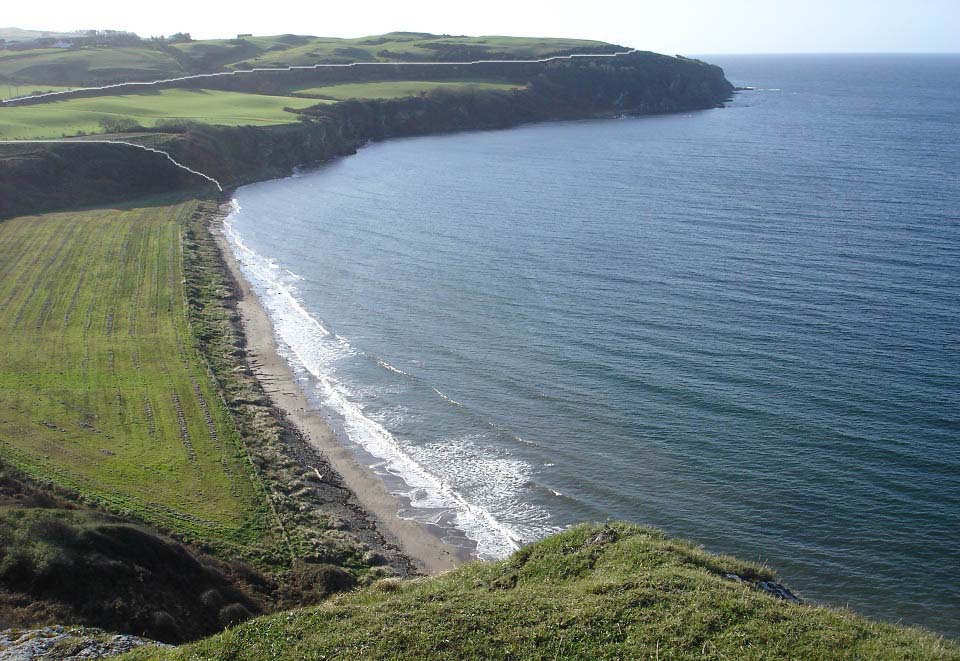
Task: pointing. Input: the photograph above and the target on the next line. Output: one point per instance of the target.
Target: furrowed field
(101, 387)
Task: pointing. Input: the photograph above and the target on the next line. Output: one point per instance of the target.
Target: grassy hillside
(86, 66)
(399, 89)
(594, 592)
(101, 387)
(89, 66)
(73, 116)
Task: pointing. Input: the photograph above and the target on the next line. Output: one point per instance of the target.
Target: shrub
(234, 614)
(120, 124)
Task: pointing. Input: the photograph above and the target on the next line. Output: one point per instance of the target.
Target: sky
(668, 26)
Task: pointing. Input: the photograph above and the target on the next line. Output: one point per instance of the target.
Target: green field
(102, 390)
(398, 89)
(71, 117)
(593, 592)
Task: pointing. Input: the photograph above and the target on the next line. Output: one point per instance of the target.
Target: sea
(739, 325)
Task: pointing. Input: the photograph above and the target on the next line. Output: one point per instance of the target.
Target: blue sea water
(740, 325)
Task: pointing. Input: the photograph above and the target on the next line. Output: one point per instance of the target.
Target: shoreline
(427, 551)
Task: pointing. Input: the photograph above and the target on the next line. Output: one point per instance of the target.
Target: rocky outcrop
(59, 642)
(778, 590)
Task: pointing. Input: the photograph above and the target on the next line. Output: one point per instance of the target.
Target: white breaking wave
(387, 366)
(484, 472)
(442, 396)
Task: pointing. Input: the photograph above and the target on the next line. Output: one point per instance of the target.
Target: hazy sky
(669, 26)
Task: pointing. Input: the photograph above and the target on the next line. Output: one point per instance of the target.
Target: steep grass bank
(62, 562)
(322, 521)
(594, 592)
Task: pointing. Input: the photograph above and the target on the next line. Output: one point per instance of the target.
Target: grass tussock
(594, 592)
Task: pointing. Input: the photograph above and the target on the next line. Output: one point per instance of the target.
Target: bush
(163, 627)
(234, 614)
(211, 598)
(311, 583)
(120, 124)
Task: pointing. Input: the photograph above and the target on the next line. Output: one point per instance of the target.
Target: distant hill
(17, 34)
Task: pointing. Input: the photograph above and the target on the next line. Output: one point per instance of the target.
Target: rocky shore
(65, 643)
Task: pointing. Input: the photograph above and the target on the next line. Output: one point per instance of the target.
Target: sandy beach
(424, 547)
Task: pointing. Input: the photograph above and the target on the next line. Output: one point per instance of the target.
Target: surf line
(306, 67)
(119, 142)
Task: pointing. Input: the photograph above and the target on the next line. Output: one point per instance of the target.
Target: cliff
(85, 174)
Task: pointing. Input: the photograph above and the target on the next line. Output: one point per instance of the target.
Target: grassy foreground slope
(102, 390)
(594, 592)
(71, 117)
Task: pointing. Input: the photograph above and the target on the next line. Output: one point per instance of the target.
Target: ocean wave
(387, 366)
(445, 398)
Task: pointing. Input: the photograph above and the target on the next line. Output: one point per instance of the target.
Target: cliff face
(61, 175)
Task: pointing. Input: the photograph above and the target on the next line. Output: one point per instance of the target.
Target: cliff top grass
(593, 592)
(71, 117)
(102, 388)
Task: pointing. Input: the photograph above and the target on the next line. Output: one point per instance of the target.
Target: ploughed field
(102, 389)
